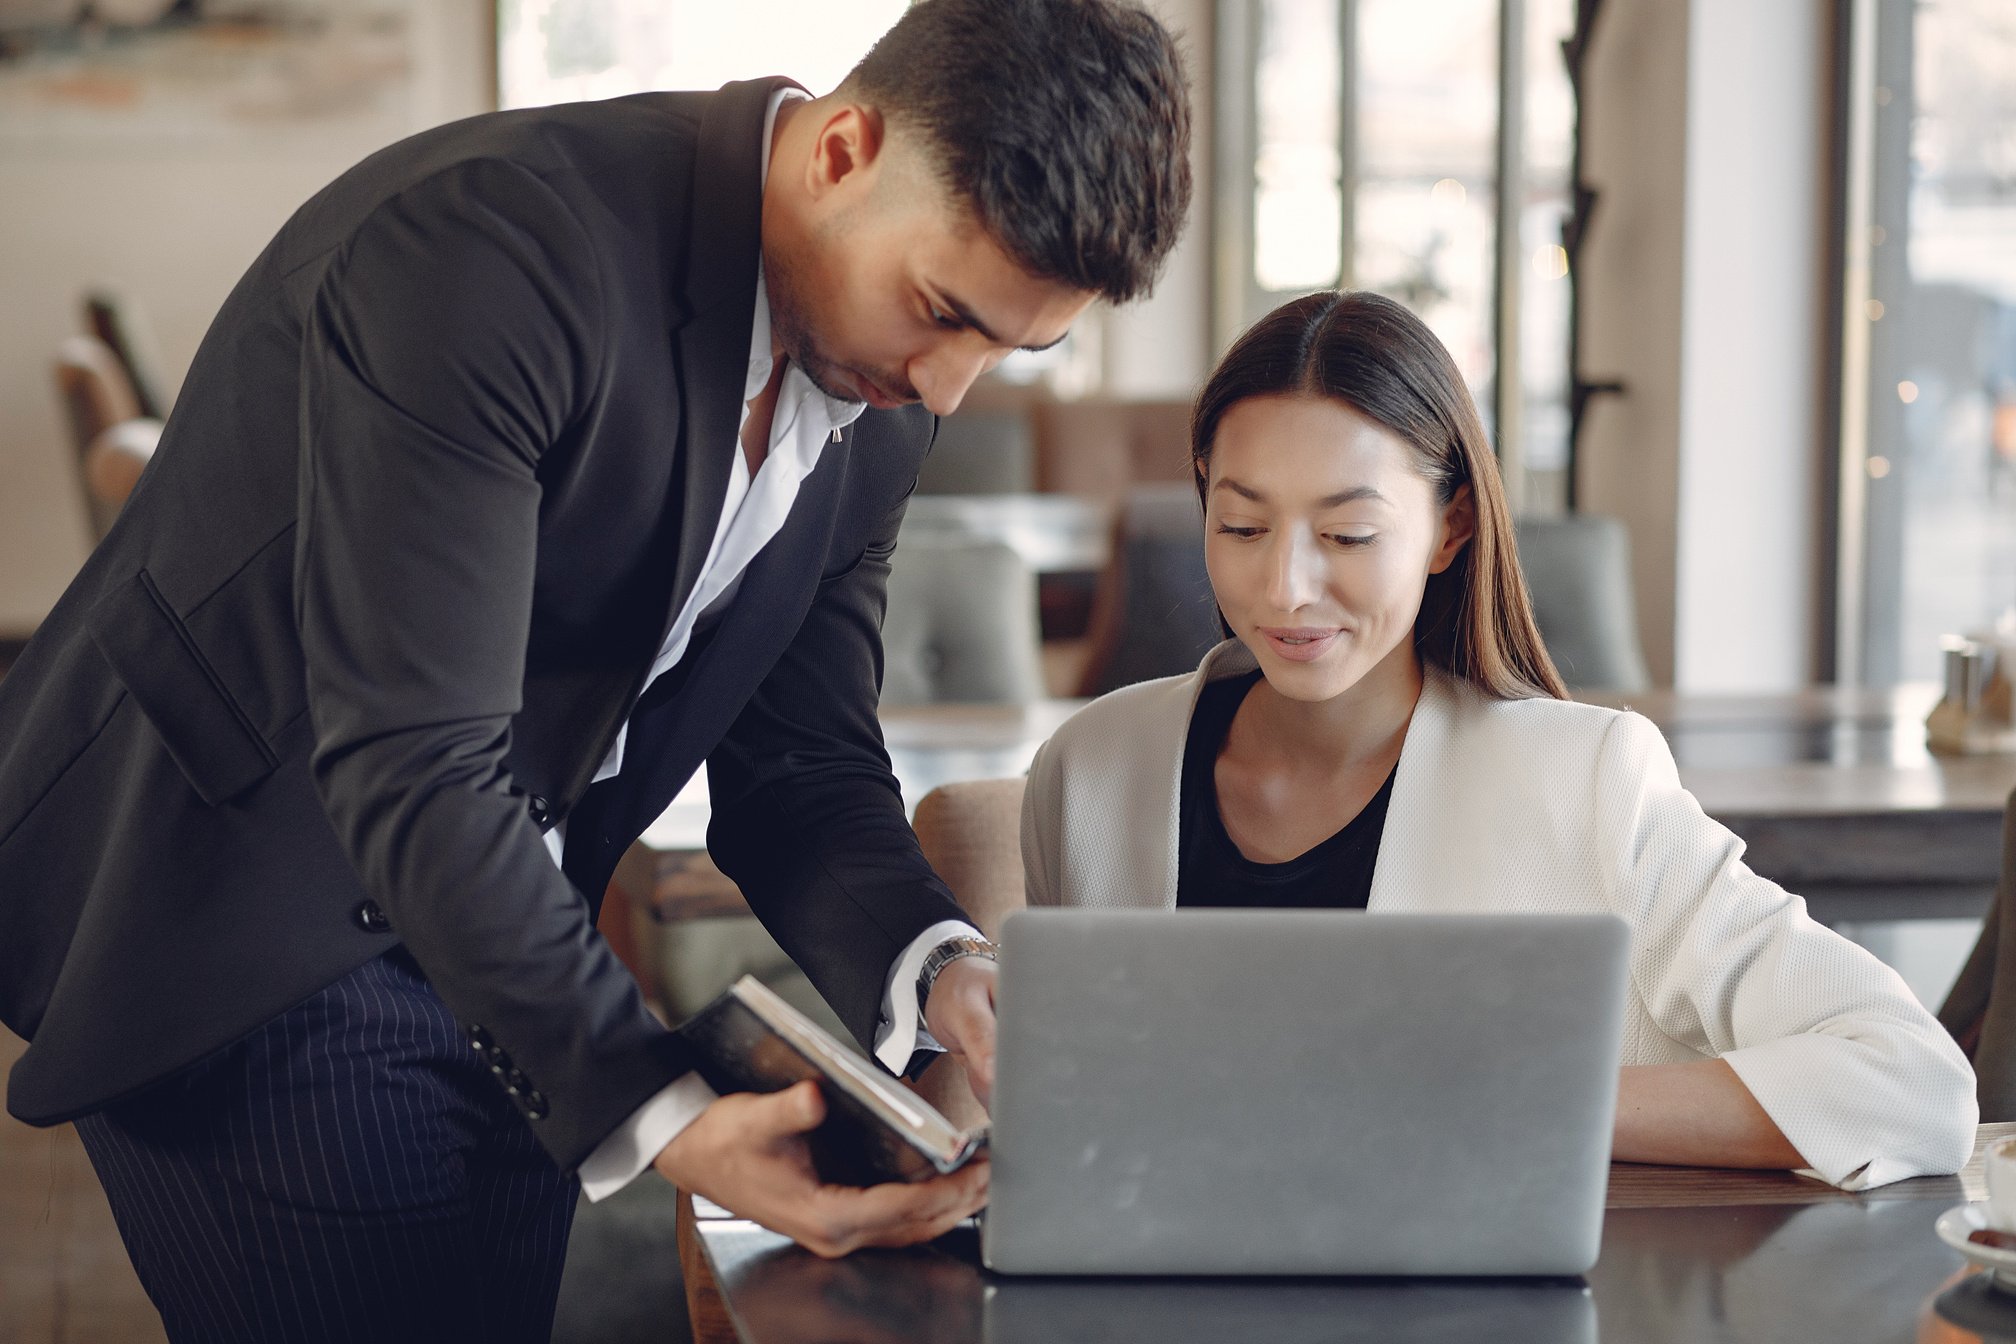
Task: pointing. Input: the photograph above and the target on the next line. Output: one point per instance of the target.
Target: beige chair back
(94, 388)
(97, 398)
(972, 835)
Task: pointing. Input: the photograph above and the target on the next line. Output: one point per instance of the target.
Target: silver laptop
(1303, 1092)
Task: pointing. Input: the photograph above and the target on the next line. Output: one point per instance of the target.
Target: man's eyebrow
(966, 315)
(1351, 496)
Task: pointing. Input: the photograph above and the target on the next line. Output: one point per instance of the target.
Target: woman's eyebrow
(1351, 496)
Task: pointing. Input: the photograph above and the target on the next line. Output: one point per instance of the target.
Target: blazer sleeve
(806, 816)
(451, 340)
(1860, 1077)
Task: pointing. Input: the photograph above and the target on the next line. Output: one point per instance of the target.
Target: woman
(1384, 730)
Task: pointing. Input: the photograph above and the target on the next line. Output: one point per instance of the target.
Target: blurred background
(1734, 284)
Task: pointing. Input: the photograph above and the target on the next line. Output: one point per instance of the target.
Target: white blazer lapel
(1147, 800)
(1421, 837)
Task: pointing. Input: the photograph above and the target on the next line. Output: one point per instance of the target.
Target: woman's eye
(1243, 533)
(945, 320)
(1345, 539)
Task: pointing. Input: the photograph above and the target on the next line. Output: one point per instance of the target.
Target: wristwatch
(943, 955)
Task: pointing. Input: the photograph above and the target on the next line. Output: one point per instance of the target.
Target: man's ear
(845, 150)
(1459, 524)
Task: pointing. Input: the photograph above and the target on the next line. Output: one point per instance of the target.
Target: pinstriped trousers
(348, 1172)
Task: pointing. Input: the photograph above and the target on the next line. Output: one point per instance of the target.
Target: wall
(173, 227)
(1753, 336)
(1702, 290)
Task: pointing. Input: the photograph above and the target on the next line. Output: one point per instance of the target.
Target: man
(528, 468)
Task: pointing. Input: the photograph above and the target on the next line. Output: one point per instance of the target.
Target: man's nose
(943, 376)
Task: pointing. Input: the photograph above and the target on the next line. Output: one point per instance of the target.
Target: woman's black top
(1210, 870)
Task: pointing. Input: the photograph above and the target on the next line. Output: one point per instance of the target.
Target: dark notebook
(876, 1130)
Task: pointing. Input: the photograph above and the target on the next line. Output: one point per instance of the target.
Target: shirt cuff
(630, 1148)
(901, 1032)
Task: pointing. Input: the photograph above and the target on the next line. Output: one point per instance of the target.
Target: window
(1936, 455)
(1372, 128)
(551, 51)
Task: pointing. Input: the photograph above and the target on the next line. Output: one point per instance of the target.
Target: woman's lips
(1300, 644)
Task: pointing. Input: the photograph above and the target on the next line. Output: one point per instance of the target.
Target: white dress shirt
(752, 513)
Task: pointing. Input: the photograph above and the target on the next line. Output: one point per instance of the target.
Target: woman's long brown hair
(1365, 350)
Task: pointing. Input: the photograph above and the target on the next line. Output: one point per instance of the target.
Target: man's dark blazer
(443, 470)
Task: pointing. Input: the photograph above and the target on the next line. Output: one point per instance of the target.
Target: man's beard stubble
(792, 331)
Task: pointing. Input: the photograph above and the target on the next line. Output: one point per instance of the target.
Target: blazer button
(371, 919)
(539, 810)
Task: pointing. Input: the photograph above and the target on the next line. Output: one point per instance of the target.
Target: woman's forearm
(1697, 1114)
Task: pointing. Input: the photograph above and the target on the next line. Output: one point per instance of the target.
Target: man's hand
(960, 1015)
(747, 1153)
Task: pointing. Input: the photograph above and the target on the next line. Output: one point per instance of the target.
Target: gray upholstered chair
(1579, 572)
(1153, 615)
(980, 452)
(962, 625)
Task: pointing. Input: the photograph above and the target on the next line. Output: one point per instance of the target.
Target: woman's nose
(1296, 576)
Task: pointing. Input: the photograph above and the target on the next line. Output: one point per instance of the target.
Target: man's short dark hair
(1063, 124)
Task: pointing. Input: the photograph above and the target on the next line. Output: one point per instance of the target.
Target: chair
(971, 834)
(117, 320)
(114, 462)
(1100, 449)
(98, 398)
(1578, 570)
(1153, 615)
(1980, 1009)
(980, 452)
(961, 625)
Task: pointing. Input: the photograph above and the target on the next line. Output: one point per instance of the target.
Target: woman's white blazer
(1552, 807)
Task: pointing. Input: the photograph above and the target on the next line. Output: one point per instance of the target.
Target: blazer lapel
(720, 303)
(1414, 844)
(1422, 829)
(681, 718)
(1151, 788)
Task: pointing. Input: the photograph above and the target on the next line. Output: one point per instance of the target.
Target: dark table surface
(1687, 1256)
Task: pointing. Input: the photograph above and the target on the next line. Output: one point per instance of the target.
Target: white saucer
(1953, 1227)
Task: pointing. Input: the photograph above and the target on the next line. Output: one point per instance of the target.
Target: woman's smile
(1300, 644)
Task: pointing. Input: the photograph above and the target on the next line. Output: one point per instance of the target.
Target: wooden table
(1833, 791)
(1687, 1256)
